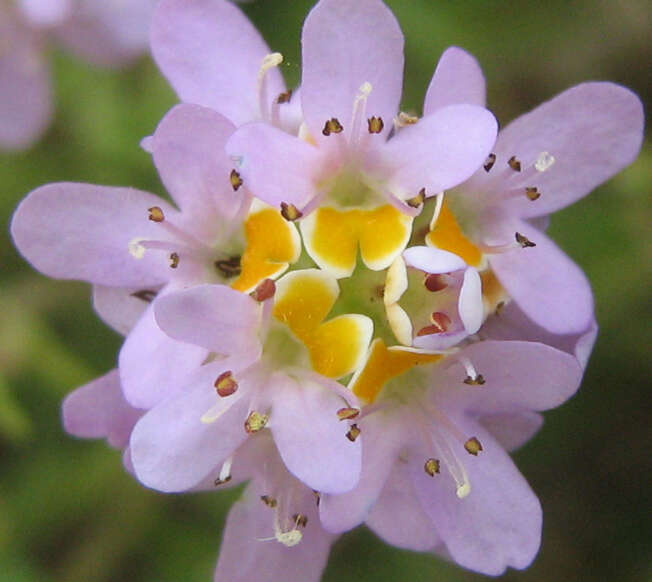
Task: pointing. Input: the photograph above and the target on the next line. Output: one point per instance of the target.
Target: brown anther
(347, 413)
(290, 212)
(431, 466)
(226, 384)
(435, 282)
(300, 520)
(235, 179)
(477, 381)
(500, 307)
(440, 324)
(284, 97)
(406, 119)
(417, 200)
(532, 193)
(489, 163)
(473, 446)
(333, 125)
(146, 295)
(230, 267)
(266, 289)
(269, 501)
(174, 260)
(514, 164)
(523, 240)
(375, 124)
(156, 214)
(255, 422)
(219, 481)
(354, 433)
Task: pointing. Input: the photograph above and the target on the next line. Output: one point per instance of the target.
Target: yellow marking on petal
(447, 235)
(383, 364)
(272, 243)
(332, 237)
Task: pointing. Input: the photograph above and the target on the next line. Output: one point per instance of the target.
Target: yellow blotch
(381, 233)
(384, 364)
(272, 243)
(448, 236)
(337, 346)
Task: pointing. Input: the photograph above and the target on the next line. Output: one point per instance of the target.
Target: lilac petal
(188, 150)
(593, 131)
(457, 79)
(310, 438)
(470, 306)
(211, 54)
(214, 317)
(248, 554)
(442, 149)
(45, 13)
(99, 410)
(498, 524)
(346, 43)
(340, 513)
(154, 366)
(512, 430)
(433, 260)
(82, 231)
(173, 450)
(547, 285)
(518, 376)
(119, 307)
(25, 100)
(397, 516)
(276, 166)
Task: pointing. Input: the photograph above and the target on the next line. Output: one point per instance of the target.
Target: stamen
(230, 267)
(269, 61)
(348, 413)
(404, 119)
(284, 97)
(472, 376)
(300, 519)
(255, 422)
(226, 384)
(544, 162)
(473, 446)
(146, 295)
(434, 282)
(354, 433)
(375, 124)
(523, 240)
(156, 214)
(514, 164)
(225, 473)
(332, 126)
(265, 290)
(290, 212)
(235, 179)
(532, 193)
(174, 260)
(489, 163)
(269, 501)
(417, 200)
(431, 467)
(136, 248)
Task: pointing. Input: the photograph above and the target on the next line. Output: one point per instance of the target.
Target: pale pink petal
(188, 150)
(154, 366)
(512, 430)
(346, 43)
(211, 54)
(121, 307)
(498, 524)
(433, 260)
(547, 285)
(310, 438)
(82, 231)
(275, 166)
(173, 450)
(457, 79)
(44, 13)
(99, 410)
(593, 131)
(442, 149)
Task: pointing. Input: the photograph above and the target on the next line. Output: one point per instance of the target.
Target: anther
(225, 473)
(332, 126)
(290, 212)
(347, 413)
(473, 446)
(523, 240)
(375, 124)
(434, 282)
(235, 179)
(229, 267)
(532, 193)
(136, 248)
(317, 495)
(440, 324)
(354, 433)
(269, 501)
(477, 380)
(156, 214)
(406, 119)
(146, 295)
(174, 260)
(417, 200)
(514, 164)
(226, 384)
(544, 162)
(300, 520)
(266, 289)
(284, 97)
(499, 307)
(255, 422)
(489, 163)
(431, 466)
(220, 481)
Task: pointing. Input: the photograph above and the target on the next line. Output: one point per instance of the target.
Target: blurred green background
(69, 513)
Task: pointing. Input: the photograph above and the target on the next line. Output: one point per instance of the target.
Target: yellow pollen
(235, 179)
(417, 200)
(448, 236)
(532, 193)
(431, 466)
(255, 422)
(333, 125)
(290, 212)
(225, 384)
(404, 119)
(375, 124)
(156, 214)
(174, 260)
(354, 433)
(514, 164)
(473, 446)
(347, 413)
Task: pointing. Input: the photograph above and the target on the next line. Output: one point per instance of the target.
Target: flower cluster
(354, 309)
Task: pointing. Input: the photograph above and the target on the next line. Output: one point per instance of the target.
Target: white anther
(468, 366)
(225, 471)
(544, 161)
(136, 249)
(463, 490)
